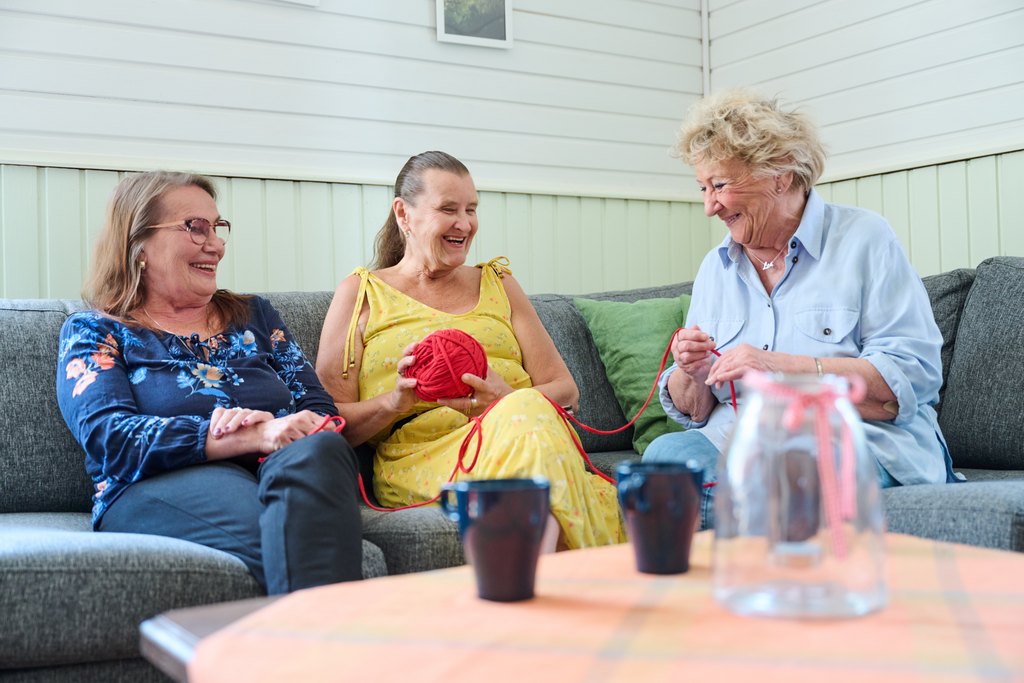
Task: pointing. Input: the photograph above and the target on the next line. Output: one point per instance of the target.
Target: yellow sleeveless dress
(523, 435)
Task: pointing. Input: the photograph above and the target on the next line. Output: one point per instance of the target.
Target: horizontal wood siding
(585, 103)
(893, 84)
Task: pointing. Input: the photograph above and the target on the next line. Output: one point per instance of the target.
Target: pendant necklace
(765, 265)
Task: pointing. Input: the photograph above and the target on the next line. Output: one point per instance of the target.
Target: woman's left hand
(485, 392)
(735, 363)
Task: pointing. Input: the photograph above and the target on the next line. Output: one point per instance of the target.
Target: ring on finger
(472, 401)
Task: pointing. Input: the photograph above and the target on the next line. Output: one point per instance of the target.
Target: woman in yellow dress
(421, 283)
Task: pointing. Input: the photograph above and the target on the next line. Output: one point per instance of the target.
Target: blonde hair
(115, 285)
(389, 246)
(740, 124)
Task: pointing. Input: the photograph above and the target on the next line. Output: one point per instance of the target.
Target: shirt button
(792, 245)
(827, 331)
(795, 259)
(769, 304)
(765, 347)
(711, 338)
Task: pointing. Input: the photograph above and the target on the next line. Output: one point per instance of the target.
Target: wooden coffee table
(956, 613)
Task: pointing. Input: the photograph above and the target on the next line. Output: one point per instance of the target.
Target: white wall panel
(585, 103)
(893, 84)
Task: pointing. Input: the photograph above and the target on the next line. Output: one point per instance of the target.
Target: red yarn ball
(441, 360)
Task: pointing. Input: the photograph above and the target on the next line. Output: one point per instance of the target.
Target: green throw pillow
(631, 339)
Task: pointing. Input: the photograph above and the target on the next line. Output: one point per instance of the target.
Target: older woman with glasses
(198, 414)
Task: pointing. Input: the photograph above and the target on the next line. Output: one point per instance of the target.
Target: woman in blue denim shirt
(797, 286)
(175, 389)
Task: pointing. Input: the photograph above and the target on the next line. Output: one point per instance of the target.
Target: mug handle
(450, 511)
(631, 490)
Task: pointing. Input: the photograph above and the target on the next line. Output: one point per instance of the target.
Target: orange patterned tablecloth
(956, 613)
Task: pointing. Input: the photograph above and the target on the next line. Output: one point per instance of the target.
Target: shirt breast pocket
(827, 325)
(722, 331)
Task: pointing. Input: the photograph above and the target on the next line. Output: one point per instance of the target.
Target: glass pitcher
(798, 512)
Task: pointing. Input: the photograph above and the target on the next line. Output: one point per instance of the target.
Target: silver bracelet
(817, 364)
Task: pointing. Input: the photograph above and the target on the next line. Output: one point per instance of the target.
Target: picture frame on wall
(487, 23)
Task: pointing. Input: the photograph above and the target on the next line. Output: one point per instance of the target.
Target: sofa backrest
(41, 465)
(982, 414)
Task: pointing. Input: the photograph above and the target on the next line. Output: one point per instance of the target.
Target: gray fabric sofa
(71, 600)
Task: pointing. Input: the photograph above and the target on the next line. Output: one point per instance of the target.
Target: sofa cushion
(983, 409)
(71, 595)
(414, 540)
(982, 513)
(947, 293)
(631, 338)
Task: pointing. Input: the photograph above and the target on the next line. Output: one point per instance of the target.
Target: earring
(142, 265)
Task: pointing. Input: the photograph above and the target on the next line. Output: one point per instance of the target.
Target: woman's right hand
(403, 397)
(282, 431)
(691, 351)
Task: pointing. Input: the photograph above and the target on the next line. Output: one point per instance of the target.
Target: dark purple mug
(661, 505)
(501, 522)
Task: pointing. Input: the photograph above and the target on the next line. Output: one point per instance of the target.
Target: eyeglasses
(200, 229)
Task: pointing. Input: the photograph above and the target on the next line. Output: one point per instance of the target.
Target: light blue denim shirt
(849, 291)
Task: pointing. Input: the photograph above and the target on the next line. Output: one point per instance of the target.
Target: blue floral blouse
(139, 402)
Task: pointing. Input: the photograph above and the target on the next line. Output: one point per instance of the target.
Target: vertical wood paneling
(493, 229)
(565, 235)
(1010, 168)
(616, 231)
(517, 247)
(308, 236)
(543, 255)
(952, 214)
(982, 208)
(593, 262)
(346, 228)
(376, 206)
(63, 231)
(96, 195)
(316, 239)
(869, 193)
(922, 187)
(248, 249)
(19, 221)
(637, 240)
(896, 208)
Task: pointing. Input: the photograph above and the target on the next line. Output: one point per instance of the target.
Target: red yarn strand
(441, 360)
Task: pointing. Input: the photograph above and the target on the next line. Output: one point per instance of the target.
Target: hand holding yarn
(441, 360)
(691, 350)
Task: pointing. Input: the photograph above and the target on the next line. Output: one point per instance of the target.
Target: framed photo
(487, 23)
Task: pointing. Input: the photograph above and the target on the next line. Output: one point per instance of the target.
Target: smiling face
(748, 205)
(440, 221)
(180, 273)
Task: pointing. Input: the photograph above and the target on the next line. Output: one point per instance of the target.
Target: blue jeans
(692, 445)
(683, 447)
(294, 521)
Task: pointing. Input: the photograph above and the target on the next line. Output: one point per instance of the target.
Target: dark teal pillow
(631, 339)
